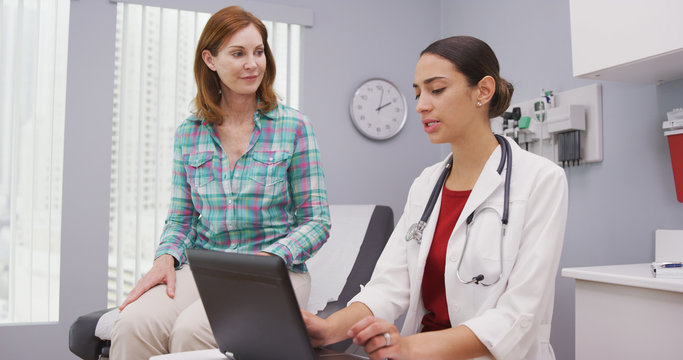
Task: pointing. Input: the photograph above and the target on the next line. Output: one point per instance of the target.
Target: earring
(478, 103)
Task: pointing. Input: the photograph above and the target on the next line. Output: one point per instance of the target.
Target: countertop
(638, 275)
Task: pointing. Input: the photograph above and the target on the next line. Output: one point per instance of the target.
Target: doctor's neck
(470, 154)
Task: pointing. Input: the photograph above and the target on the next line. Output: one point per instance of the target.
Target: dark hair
(218, 30)
(475, 59)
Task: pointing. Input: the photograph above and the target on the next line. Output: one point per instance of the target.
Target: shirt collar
(270, 115)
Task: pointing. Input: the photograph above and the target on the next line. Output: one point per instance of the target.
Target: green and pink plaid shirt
(274, 200)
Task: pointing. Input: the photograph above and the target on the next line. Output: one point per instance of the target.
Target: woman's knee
(191, 331)
(131, 324)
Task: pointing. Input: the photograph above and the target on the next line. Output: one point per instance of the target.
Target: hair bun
(501, 100)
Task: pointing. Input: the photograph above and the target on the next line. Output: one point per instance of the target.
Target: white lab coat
(511, 318)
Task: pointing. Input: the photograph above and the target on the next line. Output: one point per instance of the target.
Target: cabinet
(632, 41)
(623, 312)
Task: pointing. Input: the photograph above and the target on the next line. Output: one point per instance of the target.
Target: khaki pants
(155, 324)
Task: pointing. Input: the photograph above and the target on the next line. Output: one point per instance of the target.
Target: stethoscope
(415, 230)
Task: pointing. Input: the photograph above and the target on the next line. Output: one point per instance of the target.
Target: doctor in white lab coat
(458, 90)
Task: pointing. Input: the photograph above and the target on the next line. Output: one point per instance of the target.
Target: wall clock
(378, 109)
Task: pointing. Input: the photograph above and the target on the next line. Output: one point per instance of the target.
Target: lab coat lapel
(428, 233)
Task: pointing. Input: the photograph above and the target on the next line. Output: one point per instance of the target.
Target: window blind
(33, 55)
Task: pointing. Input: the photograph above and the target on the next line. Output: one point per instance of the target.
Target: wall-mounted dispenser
(673, 129)
(565, 124)
(565, 127)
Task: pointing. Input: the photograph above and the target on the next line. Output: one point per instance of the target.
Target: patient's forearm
(341, 321)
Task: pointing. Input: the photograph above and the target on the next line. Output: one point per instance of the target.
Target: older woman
(247, 178)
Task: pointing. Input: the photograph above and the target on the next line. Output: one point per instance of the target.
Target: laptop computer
(252, 308)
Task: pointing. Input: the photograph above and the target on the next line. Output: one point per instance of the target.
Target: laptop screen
(250, 304)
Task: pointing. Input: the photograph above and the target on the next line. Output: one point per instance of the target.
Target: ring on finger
(387, 337)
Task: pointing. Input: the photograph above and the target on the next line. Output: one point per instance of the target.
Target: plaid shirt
(274, 200)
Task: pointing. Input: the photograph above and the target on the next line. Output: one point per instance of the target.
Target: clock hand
(381, 96)
(383, 106)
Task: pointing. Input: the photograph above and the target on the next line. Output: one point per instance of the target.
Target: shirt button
(454, 258)
(524, 323)
(230, 201)
(456, 308)
(270, 159)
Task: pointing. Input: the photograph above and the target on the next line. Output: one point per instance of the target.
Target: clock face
(378, 109)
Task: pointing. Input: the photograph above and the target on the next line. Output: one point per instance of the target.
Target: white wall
(349, 42)
(614, 206)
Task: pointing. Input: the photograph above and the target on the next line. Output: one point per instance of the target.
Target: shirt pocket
(269, 170)
(199, 169)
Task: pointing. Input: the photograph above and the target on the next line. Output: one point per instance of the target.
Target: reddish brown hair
(218, 30)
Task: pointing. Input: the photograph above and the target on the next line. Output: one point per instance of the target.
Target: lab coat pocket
(199, 169)
(486, 233)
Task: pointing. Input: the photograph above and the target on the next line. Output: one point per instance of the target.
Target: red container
(675, 138)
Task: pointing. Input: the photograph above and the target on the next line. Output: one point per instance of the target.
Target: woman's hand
(316, 327)
(162, 272)
(380, 339)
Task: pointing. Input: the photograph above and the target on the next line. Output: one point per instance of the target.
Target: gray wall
(614, 206)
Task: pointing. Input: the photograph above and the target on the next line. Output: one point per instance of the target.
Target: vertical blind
(153, 90)
(33, 55)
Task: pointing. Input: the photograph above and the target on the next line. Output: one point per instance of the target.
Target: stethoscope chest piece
(415, 231)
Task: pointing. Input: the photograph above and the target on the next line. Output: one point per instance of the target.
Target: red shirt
(433, 283)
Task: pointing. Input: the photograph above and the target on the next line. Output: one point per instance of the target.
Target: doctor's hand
(380, 339)
(316, 327)
(162, 272)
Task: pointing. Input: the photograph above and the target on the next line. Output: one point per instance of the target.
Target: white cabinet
(631, 41)
(622, 312)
